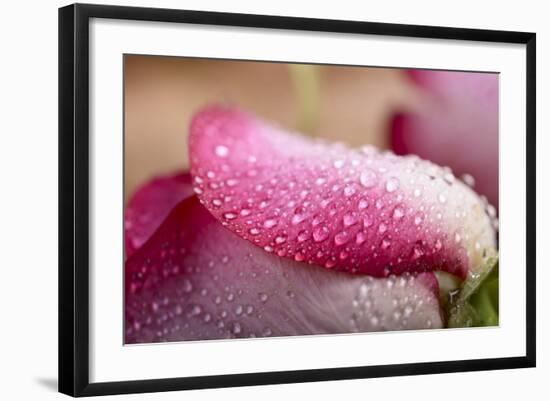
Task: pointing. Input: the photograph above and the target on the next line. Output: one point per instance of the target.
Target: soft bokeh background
(349, 104)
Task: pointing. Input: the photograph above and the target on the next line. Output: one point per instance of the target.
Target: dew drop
(442, 198)
(469, 180)
(392, 184)
(398, 213)
(385, 244)
(303, 236)
(254, 231)
(349, 190)
(231, 182)
(329, 264)
(281, 239)
(338, 163)
(350, 219)
(458, 238)
(363, 204)
(341, 238)
(187, 286)
(320, 181)
(368, 178)
(263, 297)
(230, 216)
(269, 223)
(236, 328)
(418, 251)
(360, 237)
(449, 178)
(195, 310)
(382, 228)
(221, 151)
(417, 192)
(367, 221)
(320, 234)
(299, 216)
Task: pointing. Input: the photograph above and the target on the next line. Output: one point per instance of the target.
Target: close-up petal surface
(353, 210)
(456, 125)
(196, 280)
(150, 205)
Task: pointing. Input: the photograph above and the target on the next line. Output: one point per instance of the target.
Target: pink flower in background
(288, 236)
(455, 126)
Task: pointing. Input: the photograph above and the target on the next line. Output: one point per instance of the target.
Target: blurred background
(389, 108)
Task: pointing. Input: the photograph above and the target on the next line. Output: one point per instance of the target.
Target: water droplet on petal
(230, 216)
(187, 286)
(469, 180)
(320, 181)
(221, 151)
(263, 296)
(360, 237)
(368, 178)
(458, 238)
(236, 329)
(320, 234)
(350, 219)
(398, 213)
(269, 223)
(281, 239)
(363, 203)
(392, 184)
(349, 190)
(303, 236)
(341, 238)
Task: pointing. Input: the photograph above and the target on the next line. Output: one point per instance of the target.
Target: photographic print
(270, 199)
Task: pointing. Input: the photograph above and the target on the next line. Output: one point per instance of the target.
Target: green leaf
(475, 304)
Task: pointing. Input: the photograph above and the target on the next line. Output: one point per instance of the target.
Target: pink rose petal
(456, 127)
(149, 206)
(354, 210)
(195, 280)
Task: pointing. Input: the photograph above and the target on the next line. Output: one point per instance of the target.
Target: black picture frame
(74, 198)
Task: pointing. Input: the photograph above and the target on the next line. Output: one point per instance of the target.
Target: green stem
(305, 81)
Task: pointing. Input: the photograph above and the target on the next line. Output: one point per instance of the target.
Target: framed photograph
(253, 199)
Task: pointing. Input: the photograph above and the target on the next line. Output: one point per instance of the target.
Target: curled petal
(354, 210)
(456, 126)
(195, 280)
(150, 205)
